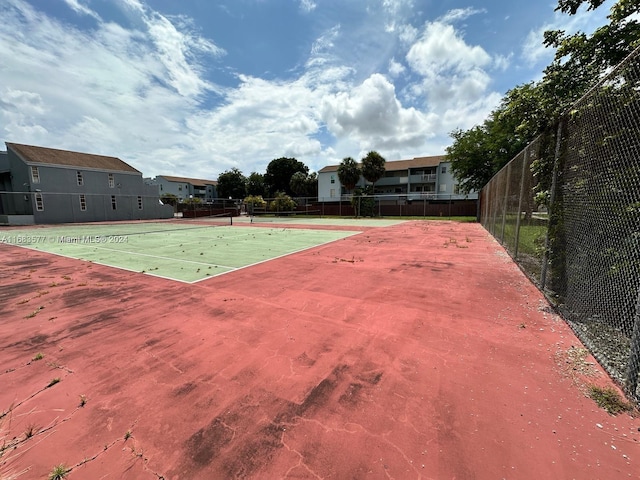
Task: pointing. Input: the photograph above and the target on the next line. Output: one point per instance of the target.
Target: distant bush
(282, 203)
(255, 201)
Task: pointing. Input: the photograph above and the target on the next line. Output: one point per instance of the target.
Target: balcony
(423, 178)
(387, 181)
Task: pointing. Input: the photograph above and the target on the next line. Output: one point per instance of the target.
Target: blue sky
(197, 87)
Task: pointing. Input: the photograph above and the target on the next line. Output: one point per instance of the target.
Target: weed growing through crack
(37, 356)
(30, 431)
(59, 472)
(53, 382)
(609, 399)
(83, 400)
(127, 435)
(34, 313)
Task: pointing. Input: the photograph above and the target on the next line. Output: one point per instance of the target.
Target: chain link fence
(575, 227)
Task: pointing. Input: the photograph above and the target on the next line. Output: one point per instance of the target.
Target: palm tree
(348, 173)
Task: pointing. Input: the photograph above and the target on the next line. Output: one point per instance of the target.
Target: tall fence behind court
(584, 252)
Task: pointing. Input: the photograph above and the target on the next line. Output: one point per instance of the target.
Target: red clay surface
(415, 351)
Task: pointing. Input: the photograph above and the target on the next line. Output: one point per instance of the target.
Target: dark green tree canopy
(349, 173)
(298, 183)
(279, 172)
(232, 183)
(373, 167)
(255, 185)
(304, 185)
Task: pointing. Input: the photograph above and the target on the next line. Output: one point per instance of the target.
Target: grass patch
(53, 382)
(609, 399)
(34, 313)
(59, 472)
(37, 356)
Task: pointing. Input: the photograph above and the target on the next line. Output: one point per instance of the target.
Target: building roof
(52, 156)
(395, 165)
(196, 182)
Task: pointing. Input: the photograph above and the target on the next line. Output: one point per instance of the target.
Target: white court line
(275, 258)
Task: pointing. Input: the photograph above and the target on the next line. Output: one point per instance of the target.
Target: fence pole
(633, 367)
(552, 198)
(506, 201)
(522, 192)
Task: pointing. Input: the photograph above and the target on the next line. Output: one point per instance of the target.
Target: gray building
(185, 188)
(45, 185)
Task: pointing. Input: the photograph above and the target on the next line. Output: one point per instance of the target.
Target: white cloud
(396, 12)
(78, 7)
(458, 14)
(454, 78)
(371, 114)
(395, 68)
(440, 49)
(307, 5)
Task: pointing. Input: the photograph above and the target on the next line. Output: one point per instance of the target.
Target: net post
(525, 163)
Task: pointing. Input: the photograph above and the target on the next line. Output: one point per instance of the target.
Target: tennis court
(412, 351)
(177, 250)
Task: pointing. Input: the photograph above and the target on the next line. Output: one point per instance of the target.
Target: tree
(169, 199)
(304, 185)
(373, 167)
(349, 173)
(470, 158)
(279, 172)
(312, 184)
(477, 154)
(298, 183)
(232, 183)
(255, 185)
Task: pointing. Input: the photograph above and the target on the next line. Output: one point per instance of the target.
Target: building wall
(56, 196)
(184, 190)
(179, 189)
(399, 182)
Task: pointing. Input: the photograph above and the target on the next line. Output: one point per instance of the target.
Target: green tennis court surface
(187, 253)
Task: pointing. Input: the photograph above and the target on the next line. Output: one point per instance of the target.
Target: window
(83, 203)
(332, 193)
(444, 170)
(80, 180)
(35, 175)
(180, 188)
(443, 187)
(39, 202)
(113, 202)
(112, 181)
(456, 189)
(160, 187)
(333, 179)
(139, 202)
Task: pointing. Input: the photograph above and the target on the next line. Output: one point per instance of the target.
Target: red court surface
(418, 351)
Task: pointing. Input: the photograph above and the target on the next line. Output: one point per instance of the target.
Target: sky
(195, 88)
